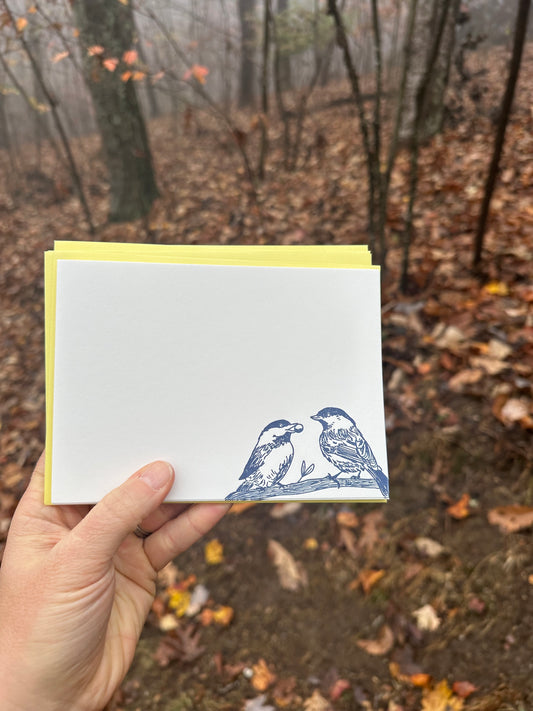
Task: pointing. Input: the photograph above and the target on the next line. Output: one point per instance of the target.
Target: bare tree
(248, 40)
(427, 26)
(505, 111)
(53, 104)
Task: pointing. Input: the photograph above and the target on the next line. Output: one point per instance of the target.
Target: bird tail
(382, 481)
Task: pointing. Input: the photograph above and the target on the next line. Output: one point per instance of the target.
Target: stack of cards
(255, 371)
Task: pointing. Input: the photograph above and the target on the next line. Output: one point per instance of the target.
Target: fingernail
(156, 474)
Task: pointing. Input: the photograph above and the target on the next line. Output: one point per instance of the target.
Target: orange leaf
(238, 508)
(95, 51)
(421, 679)
(223, 615)
(21, 23)
(348, 519)
(263, 677)
(129, 57)
(368, 578)
(59, 56)
(197, 71)
(110, 63)
(125, 76)
(463, 688)
(461, 508)
(138, 76)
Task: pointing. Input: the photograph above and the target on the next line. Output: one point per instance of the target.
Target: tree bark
(248, 39)
(505, 111)
(132, 183)
(429, 12)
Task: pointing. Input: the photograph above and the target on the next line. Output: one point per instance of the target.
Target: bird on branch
(344, 446)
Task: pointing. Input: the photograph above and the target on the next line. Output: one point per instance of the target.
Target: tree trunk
(248, 39)
(285, 73)
(505, 111)
(427, 19)
(125, 141)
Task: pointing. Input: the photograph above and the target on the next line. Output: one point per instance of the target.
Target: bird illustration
(271, 457)
(344, 446)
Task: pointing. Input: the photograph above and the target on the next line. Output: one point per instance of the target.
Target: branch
(300, 487)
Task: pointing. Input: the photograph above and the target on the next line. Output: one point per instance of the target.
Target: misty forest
(405, 125)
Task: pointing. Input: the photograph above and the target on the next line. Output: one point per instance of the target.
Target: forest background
(403, 124)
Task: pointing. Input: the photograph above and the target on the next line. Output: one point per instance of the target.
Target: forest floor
(423, 603)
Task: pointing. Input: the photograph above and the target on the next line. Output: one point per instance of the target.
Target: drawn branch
(300, 487)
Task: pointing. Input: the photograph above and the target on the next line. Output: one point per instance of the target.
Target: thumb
(109, 522)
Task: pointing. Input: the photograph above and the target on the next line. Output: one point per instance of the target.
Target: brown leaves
(181, 645)
(263, 677)
(511, 518)
(292, 575)
(379, 646)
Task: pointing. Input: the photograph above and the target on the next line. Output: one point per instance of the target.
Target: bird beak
(296, 427)
(315, 417)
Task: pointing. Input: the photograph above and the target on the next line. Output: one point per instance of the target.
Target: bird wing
(353, 446)
(257, 458)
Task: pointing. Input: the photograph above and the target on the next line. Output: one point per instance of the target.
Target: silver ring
(141, 533)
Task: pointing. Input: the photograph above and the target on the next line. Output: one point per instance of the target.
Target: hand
(76, 586)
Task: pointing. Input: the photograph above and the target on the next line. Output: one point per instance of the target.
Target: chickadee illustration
(271, 457)
(344, 446)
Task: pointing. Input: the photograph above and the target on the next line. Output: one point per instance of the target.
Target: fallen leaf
(420, 680)
(198, 598)
(285, 509)
(316, 702)
(348, 539)
(262, 677)
(511, 518)
(338, 689)
(168, 622)
(379, 646)
(441, 698)
(310, 544)
(284, 694)
(182, 644)
(258, 704)
(428, 547)
(463, 688)
(460, 509)
(496, 288)
(514, 410)
(179, 601)
(426, 618)
(291, 573)
(223, 615)
(372, 522)
(367, 578)
(464, 377)
(21, 23)
(238, 508)
(214, 552)
(348, 519)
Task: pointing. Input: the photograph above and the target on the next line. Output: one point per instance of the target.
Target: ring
(141, 533)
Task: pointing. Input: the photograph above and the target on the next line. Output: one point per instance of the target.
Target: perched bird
(271, 457)
(344, 446)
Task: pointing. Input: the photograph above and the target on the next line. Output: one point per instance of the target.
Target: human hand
(76, 586)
